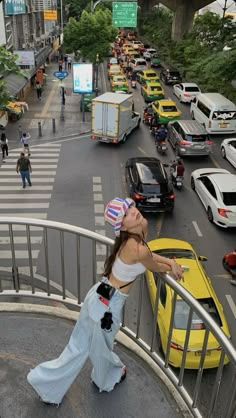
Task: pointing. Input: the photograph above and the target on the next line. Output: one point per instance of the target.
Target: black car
(149, 185)
(170, 75)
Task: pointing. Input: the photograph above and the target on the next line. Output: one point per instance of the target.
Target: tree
(75, 7)
(7, 65)
(92, 34)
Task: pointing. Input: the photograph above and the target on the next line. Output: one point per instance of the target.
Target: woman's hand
(176, 271)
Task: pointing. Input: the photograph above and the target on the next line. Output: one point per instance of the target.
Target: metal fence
(57, 261)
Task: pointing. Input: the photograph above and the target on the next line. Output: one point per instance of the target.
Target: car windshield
(229, 198)
(192, 89)
(155, 88)
(182, 312)
(176, 253)
(141, 63)
(196, 138)
(155, 56)
(174, 74)
(224, 115)
(169, 108)
(155, 188)
(119, 79)
(151, 75)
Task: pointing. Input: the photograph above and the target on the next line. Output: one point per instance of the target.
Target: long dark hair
(118, 245)
(3, 137)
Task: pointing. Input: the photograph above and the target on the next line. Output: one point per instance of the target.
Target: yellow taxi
(152, 91)
(199, 285)
(114, 69)
(147, 75)
(120, 83)
(166, 110)
(126, 45)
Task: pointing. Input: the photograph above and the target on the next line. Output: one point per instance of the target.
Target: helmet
(163, 126)
(178, 158)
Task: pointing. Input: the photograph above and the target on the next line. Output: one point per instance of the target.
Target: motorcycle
(177, 181)
(147, 116)
(229, 269)
(161, 147)
(133, 84)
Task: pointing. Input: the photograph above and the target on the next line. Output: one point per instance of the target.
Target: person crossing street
(23, 167)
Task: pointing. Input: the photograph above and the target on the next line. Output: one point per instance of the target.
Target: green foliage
(75, 7)
(7, 65)
(92, 34)
(156, 27)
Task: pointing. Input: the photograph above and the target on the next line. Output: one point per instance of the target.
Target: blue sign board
(15, 7)
(82, 78)
(61, 74)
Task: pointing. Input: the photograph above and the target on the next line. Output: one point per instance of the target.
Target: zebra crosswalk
(31, 202)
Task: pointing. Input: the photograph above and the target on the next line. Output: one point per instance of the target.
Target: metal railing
(59, 262)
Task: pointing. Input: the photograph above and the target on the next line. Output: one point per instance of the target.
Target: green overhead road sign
(124, 14)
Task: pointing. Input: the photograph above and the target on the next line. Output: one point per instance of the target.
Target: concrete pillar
(183, 19)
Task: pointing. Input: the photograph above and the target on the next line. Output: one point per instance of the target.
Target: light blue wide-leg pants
(52, 379)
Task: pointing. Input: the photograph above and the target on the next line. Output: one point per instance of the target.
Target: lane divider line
(231, 304)
(197, 229)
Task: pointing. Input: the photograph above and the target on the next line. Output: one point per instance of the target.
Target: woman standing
(100, 316)
(4, 146)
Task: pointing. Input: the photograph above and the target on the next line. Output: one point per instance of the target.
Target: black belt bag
(107, 291)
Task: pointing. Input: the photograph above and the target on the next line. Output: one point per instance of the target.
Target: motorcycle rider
(160, 135)
(231, 262)
(177, 168)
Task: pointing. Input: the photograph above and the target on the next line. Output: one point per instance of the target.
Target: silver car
(189, 137)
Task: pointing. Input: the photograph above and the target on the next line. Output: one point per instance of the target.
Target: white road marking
(18, 254)
(27, 205)
(38, 180)
(231, 304)
(97, 180)
(36, 160)
(21, 240)
(100, 267)
(100, 249)
(25, 196)
(37, 173)
(99, 208)
(141, 150)
(97, 187)
(35, 154)
(98, 197)
(20, 228)
(17, 188)
(99, 220)
(197, 229)
(101, 232)
(10, 167)
(25, 215)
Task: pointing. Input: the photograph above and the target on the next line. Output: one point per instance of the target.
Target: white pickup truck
(113, 118)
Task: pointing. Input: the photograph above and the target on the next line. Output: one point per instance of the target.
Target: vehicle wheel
(124, 139)
(223, 152)
(192, 184)
(192, 116)
(210, 214)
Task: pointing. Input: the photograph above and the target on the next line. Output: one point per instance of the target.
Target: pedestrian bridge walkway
(38, 306)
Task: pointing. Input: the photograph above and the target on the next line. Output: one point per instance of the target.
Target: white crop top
(127, 272)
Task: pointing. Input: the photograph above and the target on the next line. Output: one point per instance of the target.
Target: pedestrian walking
(60, 62)
(69, 61)
(38, 89)
(100, 316)
(25, 141)
(4, 146)
(24, 167)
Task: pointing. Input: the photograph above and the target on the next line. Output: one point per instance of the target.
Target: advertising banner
(82, 78)
(50, 14)
(25, 58)
(15, 7)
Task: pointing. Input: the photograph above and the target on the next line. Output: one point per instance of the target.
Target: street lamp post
(96, 78)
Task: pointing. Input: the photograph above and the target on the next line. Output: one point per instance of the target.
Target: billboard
(50, 15)
(15, 7)
(25, 58)
(82, 78)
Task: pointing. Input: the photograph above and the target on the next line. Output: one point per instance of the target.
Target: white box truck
(112, 117)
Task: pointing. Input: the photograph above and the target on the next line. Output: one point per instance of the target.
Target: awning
(15, 83)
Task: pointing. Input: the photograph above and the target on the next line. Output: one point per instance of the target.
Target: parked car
(166, 110)
(170, 75)
(228, 150)
(186, 92)
(149, 184)
(199, 285)
(138, 64)
(120, 83)
(216, 189)
(189, 137)
(155, 60)
(152, 91)
(148, 53)
(147, 75)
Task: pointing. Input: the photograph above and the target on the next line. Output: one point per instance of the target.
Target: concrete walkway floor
(28, 339)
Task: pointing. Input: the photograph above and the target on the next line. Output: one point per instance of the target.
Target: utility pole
(223, 16)
(97, 63)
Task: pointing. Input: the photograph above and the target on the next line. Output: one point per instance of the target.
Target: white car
(112, 61)
(137, 44)
(186, 92)
(138, 64)
(216, 189)
(149, 53)
(228, 150)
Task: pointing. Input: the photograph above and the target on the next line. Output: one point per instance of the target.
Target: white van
(216, 113)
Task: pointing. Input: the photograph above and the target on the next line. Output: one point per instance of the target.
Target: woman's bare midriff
(113, 281)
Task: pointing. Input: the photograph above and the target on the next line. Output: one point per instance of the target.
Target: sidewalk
(49, 107)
